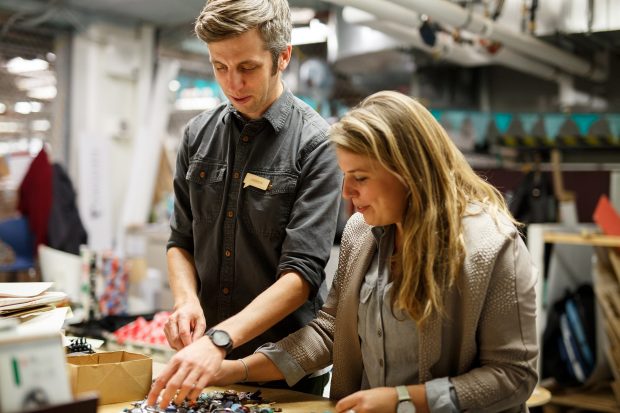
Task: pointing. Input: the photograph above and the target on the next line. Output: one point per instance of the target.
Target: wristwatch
(221, 339)
(404, 400)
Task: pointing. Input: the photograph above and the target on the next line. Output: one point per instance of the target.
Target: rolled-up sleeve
(312, 224)
(181, 219)
(508, 352)
(441, 396)
(288, 366)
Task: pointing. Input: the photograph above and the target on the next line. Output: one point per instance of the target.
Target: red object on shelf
(607, 218)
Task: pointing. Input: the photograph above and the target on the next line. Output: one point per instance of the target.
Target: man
(257, 191)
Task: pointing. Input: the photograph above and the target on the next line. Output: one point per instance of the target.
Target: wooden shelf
(602, 400)
(597, 240)
(607, 289)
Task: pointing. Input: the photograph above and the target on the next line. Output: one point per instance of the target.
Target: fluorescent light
(316, 32)
(23, 107)
(41, 79)
(9, 127)
(36, 106)
(20, 65)
(40, 125)
(42, 93)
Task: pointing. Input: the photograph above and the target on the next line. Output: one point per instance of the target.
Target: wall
(111, 75)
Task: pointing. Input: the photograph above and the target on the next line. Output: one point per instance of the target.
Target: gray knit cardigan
(486, 344)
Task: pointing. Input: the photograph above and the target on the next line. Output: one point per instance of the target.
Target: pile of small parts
(229, 401)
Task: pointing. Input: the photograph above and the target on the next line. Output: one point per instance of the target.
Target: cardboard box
(118, 376)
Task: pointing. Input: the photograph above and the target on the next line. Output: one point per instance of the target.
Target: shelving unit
(606, 281)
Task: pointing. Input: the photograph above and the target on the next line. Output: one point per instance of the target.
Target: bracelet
(245, 367)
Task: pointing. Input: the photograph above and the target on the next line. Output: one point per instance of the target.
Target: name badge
(255, 181)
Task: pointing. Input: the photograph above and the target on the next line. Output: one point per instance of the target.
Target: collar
(380, 232)
(276, 114)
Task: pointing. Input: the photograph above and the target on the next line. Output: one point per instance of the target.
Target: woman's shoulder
(356, 224)
(356, 229)
(487, 230)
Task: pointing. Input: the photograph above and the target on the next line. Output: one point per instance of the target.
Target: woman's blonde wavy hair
(406, 139)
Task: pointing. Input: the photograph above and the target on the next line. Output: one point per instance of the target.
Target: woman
(434, 289)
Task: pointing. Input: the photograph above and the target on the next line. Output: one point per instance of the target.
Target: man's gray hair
(223, 19)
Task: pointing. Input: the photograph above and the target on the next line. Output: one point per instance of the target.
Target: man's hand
(185, 325)
(188, 372)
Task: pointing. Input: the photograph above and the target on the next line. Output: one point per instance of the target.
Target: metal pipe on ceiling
(449, 13)
(465, 55)
(401, 24)
(384, 10)
(444, 49)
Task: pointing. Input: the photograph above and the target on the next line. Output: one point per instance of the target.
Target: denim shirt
(244, 231)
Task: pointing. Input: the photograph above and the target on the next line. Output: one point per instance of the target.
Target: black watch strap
(221, 339)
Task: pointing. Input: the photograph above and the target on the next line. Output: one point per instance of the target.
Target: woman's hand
(379, 399)
(382, 399)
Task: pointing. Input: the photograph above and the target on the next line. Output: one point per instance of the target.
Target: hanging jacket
(35, 196)
(65, 230)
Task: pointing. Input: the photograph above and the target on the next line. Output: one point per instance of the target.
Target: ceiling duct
(445, 47)
(390, 21)
(384, 10)
(451, 14)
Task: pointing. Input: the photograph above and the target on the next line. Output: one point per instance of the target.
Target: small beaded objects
(229, 401)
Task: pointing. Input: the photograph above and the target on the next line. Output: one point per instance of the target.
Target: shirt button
(379, 332)
(202, 174)
(230, 214)
(226, 290)
(381, 363)
(235, 175)
(245, 138)
(228, 253)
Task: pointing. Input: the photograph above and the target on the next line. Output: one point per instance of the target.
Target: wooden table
(597, 400)
(296, 402)
(539, 397)
(290, 401)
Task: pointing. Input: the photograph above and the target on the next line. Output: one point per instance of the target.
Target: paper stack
(19, 299)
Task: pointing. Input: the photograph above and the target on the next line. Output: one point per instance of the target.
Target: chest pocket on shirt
(266, 212)
(206, 187)
(366, 291)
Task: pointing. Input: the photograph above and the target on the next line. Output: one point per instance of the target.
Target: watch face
(220, 338)
(405, 407)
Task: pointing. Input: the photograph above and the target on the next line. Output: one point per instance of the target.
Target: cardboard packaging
(118, 376)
